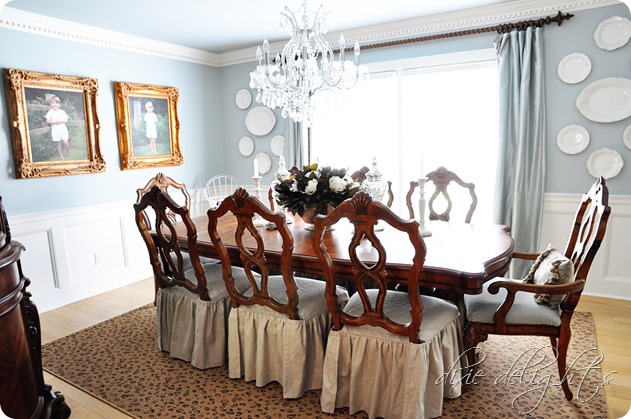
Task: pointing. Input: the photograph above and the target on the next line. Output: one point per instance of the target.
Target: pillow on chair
(550, 268)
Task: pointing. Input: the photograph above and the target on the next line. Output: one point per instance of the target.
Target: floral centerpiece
(313, 189)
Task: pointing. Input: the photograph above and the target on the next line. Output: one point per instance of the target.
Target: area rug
(118, 361)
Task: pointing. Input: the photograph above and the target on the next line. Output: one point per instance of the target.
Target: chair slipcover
(192, 329)
(278, 328)
(411, 379)
(265, 345)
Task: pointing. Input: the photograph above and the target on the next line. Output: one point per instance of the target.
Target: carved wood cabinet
(23, 393)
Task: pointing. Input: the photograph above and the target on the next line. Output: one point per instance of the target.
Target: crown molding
(20, 20)
(447, 22)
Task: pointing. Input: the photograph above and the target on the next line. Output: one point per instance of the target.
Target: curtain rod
(500, 29)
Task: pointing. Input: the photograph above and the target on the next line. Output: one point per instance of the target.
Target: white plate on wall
(604, 162)
(278, 145)
(260, 120)
(572, 139)
(574, 68)
(246, 146)
(626, 137)
(613, 33)
(606, 100)
(243, 99)
(265, 163)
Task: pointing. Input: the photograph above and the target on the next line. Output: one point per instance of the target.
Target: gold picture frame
(53, 124)
(148, 126)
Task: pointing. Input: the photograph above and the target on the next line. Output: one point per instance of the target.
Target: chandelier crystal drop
(306, 66)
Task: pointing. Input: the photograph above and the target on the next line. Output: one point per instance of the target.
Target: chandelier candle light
(305, 66)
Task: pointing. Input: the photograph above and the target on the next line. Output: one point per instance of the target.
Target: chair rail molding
(446, 22)
(610, 274)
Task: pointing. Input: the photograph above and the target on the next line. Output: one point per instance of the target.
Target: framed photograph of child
(148, 126)
(53, 124)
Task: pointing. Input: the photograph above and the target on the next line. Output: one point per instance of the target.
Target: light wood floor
(612, 318)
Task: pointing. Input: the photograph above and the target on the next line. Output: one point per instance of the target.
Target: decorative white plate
(572, 139)
(626, 137)
(278, 145)
(613, 33)
(243, 99)
(265, 163)
(574, 68)
(246, 146)
(260, 120)
(606, 100)
(604, 162)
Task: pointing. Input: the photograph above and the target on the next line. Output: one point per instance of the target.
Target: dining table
(460, 257)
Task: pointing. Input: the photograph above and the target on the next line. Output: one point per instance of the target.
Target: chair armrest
(526, 256)
(512, 288)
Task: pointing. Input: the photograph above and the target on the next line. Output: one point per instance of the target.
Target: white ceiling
(227, 25)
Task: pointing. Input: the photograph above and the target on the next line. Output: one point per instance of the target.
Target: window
(414, 116)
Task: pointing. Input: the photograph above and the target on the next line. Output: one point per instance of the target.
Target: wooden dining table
(460, 257)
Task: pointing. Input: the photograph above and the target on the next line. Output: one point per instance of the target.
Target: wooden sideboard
(23, 393)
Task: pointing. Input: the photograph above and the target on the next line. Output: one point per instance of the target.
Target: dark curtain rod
(500, 29)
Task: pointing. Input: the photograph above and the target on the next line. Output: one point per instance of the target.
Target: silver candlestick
(258, 220)
(421, 208)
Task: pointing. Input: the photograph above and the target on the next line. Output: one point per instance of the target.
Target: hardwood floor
(612, 318)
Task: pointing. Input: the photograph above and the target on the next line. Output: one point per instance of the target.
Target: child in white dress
(151, 121)
(57, 119)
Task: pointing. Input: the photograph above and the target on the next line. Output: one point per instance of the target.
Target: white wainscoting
(80, 252)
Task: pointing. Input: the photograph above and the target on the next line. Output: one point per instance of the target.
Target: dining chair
(278, 328)
(441, 178)
(192, 304)
(390, 353)
(183, 198)
(543, 303)
(218, 187)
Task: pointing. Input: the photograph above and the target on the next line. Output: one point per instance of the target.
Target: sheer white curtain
(416, 115)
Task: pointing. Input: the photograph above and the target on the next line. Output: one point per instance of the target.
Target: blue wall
(199, 109)
(568, 173)
(211, 123)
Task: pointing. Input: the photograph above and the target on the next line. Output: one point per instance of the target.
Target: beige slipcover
(192, 329)
(266, 346)
(368, 368)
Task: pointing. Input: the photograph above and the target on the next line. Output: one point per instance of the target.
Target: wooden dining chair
(543, 303)
(441, 178)
(390, 353)
(218, 187)
(182, 198)
(192, 304)
(278, 329)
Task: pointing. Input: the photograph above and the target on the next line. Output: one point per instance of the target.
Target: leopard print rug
(118, 361)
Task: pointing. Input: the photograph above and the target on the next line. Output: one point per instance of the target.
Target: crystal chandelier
(306, 66)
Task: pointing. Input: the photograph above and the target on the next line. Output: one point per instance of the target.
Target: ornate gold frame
(16, 81)
(122, 92)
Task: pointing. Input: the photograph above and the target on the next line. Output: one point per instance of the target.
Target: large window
(414, 116)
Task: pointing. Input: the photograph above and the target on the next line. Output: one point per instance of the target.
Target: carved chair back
(588, 231)
(364, 214)
(251, 252)
(164, 183)
(441, 178)
(167, 259)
